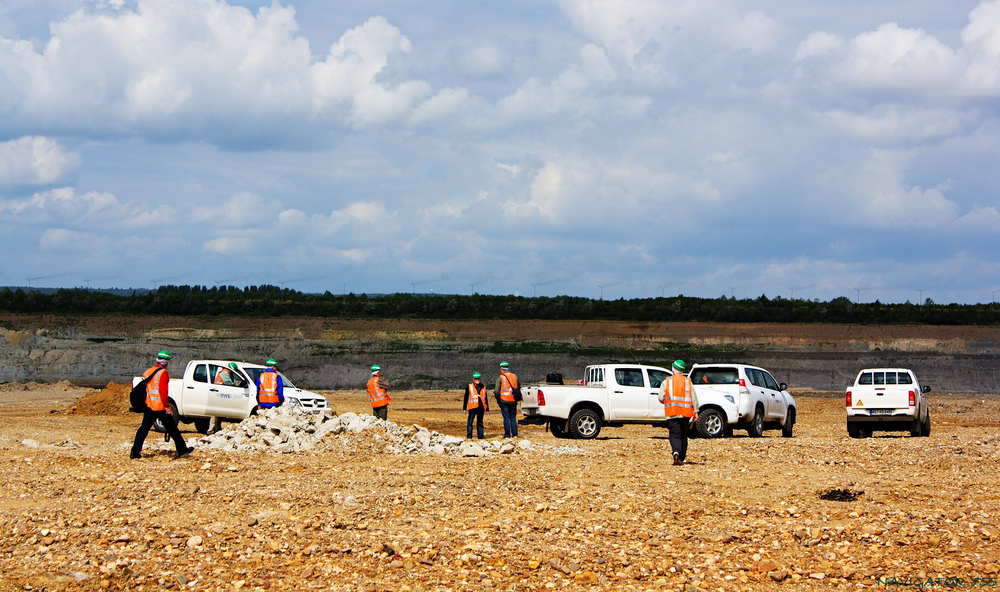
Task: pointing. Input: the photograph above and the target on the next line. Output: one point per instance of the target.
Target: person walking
(680, 406)
(504, 391)
(270, 387)
(476, 402)
(378, 394)
(158, 408)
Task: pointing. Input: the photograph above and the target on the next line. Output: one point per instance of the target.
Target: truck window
(890, 378)
(879, 377)
(629, 376)
(865, 378)
(769, 381)
(715, 376)
(755, 378)
(200, 373)
(656, 378)
(904, 378)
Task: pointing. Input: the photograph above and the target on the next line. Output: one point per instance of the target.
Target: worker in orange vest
(504, 391)
(378, 394)
(158, 408)
(680, 406)
(225, 375)
(270, 387)
(475, 401)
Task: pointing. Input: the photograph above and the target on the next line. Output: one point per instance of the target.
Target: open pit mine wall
(340, 364)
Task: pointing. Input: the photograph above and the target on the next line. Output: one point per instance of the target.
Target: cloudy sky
(598, 148)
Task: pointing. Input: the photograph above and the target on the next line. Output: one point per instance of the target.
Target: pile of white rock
(286, 430)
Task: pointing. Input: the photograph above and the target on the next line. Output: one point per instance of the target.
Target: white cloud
(817, 44)
(627, 26)
(201, 67)
(484, 61)
(446, 102)
(229, 245)
(63, 238)
(885, 201)
(35, 160)
(901, 124)
(60, 204)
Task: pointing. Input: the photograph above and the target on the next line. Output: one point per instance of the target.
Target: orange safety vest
(219, 377)
(507, 386)
(378, 396)
(474, 397)
(268, 392)
(677, 397)
(156, 389)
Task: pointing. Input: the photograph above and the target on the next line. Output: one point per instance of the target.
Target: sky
(597, 148)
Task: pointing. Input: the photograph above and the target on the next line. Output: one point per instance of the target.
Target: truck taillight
(913, 399)
(848, 398)
(541, 398)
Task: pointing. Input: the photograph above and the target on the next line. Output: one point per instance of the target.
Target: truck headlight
(294, 402)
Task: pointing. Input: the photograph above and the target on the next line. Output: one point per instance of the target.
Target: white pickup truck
(615, 394)
(211, 388)
(887, 399)
(610, 395)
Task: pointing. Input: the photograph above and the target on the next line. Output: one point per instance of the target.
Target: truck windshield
(715, 376)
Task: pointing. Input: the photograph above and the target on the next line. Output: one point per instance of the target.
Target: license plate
(880, 411)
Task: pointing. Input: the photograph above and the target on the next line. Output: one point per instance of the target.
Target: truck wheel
(201, 424)
(927, 425)
(158, 425)
(857, 431)
(711, 424)
(585, 424)
(917, 429)
(756, 427)
(786, 430)
(555, 426)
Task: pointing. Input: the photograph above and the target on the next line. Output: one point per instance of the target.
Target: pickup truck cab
(887, 399)
(210, 388)
(741, 396)
(610, 395)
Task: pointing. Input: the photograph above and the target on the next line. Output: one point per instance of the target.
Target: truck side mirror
(782, 387)
(925, 389)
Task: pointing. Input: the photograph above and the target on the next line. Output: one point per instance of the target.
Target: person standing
(475, 401)
(270, 387)
(680, 406)
(158, 408)
(504, 391)
(378, 394)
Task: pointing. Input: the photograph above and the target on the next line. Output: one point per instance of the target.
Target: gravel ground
(815, 512)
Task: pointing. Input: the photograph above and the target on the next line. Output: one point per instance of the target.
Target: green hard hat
(232, 366)
(679, 364)
(163, 355)
(272, 362)
(504, 364)
(376, 368)
(476, 375)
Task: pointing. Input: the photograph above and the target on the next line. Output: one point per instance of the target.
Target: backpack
(137, 396)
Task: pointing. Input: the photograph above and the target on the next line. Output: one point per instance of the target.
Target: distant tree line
(272, 301)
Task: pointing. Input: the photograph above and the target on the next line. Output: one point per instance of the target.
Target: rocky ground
(360, 512)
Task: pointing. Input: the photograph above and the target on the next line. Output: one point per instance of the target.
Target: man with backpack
(158, 408)
(507, 391)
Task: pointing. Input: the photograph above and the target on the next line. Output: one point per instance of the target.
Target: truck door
(629, 394)
(196, 391)
(228, 393)
(774, 397)
(656, 378)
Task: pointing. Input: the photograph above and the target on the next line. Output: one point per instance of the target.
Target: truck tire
(917, 429)
(556, 427)
(711, 424)
(202, 423)
(856, 431)
(756, 426)
(158, 425)
(927, 425)
(585, 424)
(786, 430)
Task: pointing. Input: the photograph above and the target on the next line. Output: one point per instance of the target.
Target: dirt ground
(607, 514)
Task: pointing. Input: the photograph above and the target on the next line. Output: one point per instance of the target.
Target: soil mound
(110, 400)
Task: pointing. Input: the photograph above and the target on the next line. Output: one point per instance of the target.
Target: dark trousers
(149, 417)
(476, 414)
(509, 412)
(678, 428)
(381, 412)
